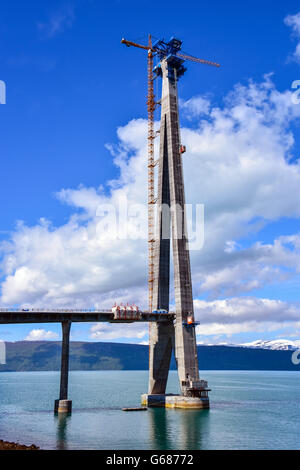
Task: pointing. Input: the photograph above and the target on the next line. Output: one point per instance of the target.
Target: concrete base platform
(175, 401)
(63, 406)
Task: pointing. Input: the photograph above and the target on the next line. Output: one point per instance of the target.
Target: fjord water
(249, 410)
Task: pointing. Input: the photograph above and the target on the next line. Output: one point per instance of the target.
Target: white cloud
(196, 106)
(241, 309)
(41, 335)
(238, 163)
(243, 315)
(58, 22)
(293, 21)
(243, 270)
(109, 331)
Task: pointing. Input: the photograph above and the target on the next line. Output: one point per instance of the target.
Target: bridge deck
(75, 315)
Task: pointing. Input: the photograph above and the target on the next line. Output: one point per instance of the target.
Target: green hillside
(45, 355)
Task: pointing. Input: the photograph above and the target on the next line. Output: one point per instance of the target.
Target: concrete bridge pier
(63, 405)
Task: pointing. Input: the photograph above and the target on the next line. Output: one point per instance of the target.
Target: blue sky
(71, 85)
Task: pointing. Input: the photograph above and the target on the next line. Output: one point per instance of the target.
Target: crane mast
(151, 164)
(151, 191)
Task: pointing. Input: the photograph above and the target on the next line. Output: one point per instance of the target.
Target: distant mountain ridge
(45, 355)
(275, 345)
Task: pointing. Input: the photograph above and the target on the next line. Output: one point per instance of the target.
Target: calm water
(249, 410)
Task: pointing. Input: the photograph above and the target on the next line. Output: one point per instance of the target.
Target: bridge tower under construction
(180, 335)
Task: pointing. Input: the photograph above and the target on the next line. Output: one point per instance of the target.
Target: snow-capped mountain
(277, 344)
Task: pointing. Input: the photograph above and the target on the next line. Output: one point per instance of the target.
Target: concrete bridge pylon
(180, 335)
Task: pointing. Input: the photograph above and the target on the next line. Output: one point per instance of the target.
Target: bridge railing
(66, 310)
(54, 310)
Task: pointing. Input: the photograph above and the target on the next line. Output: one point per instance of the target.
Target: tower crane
(161, 49)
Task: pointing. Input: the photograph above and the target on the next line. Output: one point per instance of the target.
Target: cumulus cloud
(243, 270)
(41, 335)
(238, 164)
(243, 315)
(293, 21)
(196, 106)
(240, 309)
(104, 331)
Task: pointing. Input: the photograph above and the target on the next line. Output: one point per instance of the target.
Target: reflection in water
(164, 432)
(63, 421)
(193, 426)
(159, 433)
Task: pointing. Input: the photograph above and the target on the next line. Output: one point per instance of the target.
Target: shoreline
(5, 445)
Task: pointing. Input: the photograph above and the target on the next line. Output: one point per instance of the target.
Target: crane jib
(164, 49)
